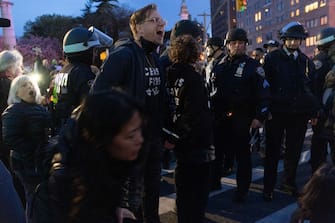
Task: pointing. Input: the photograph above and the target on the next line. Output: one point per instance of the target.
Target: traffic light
(241, 5)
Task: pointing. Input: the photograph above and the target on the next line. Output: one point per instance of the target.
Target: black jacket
(241, 88)
(25, 131)
(291, 83)
(72, 84)
(193, 122)
(125, 69)
(87, 174)
(4, 90)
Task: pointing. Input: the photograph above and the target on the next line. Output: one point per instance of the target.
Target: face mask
(148, 46)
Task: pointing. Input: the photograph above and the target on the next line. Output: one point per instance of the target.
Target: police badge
(260, 71)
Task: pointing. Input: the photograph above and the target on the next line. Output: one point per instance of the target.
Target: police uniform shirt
(241, 87)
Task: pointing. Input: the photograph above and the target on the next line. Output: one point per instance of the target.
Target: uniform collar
(288, 53)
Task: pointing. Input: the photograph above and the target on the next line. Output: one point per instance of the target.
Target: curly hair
(184, 49)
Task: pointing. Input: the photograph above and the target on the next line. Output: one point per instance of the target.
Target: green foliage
(47, 31)
(54, 26)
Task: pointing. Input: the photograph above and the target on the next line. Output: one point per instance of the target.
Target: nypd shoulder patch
(260, 71)
(318, 64)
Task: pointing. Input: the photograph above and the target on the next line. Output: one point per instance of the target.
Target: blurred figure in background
(215, 53)
(11, 65)
(258, 54)
(270, 46)
(323, 131)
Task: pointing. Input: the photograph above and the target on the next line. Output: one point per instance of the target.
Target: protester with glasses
(133, 67)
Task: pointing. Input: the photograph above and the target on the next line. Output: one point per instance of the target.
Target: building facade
(262, 19)
(223, 17)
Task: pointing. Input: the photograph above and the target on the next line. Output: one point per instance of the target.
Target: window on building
(268, 23)
(280, 6)
(297, 12)
(310, 41)
(324, 20)
(323, 3)
(258, 16)
(292, 2)
(292, 14)
(296, 1)
(259, 39)
(268, 1)
(312, 6)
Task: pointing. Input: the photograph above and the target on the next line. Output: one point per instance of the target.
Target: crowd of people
(86, 143)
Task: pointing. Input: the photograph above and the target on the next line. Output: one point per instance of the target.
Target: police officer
(290, 74)
(73, 82)
(215, 53)
(323, 65)
(241, 102)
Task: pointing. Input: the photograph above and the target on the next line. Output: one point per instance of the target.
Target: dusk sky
(24, 10)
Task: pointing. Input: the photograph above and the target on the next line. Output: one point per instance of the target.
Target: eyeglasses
(156, 20)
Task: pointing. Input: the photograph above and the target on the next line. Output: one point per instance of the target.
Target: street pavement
(255, 209)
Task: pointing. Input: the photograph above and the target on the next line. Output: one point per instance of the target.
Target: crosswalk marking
(280, 216)
(167, 203)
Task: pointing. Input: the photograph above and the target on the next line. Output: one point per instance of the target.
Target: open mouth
(31, 93)
(160, 33)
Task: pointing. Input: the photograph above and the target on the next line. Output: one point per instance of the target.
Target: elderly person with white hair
(25, 132)
(11, 62)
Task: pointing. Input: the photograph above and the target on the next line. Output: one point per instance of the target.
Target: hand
(168, 145)
(255, 124)
(122, 213)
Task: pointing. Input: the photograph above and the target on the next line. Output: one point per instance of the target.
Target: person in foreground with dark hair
(317, 201)
(102, 139)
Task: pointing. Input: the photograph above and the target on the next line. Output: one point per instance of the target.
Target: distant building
(262, 19)
(8, 32)
(184, 14)
(223, 16)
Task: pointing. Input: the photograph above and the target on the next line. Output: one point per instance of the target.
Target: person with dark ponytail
(96, 151)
